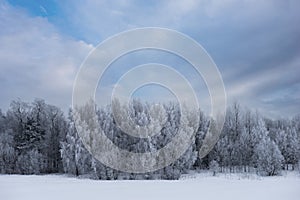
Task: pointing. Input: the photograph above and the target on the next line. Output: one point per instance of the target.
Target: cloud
(36, 60)
(272, 90)
(254, 44)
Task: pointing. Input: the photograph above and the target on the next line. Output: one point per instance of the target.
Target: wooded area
(37, 138)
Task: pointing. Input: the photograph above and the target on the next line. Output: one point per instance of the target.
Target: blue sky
(255, 45)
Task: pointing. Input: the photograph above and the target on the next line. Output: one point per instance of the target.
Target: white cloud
(35, 59)
(244, 37)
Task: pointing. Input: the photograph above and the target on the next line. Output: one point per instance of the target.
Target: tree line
(37, 138)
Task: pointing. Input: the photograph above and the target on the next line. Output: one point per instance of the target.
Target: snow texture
(198, 186)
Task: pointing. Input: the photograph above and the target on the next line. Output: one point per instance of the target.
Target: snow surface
(197, 186)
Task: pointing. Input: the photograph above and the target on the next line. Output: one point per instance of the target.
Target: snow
(196, 186)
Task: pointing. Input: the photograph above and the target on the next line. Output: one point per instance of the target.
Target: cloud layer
(36, 60)
(255, 44)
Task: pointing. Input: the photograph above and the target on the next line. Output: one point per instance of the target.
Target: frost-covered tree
(76, 159)
(199, 137)
(292, 147)
(285, 133)
(68, 148)
(214, 167)
(8, 154)
(147, 118)
(243, 144)
(30, 162)
(36, 130)
(36, 138)
(248, 139)
(228, 148)
(269, 159)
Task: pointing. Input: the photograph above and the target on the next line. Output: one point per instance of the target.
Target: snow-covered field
(199, 186)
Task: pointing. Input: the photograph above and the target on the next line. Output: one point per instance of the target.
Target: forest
(38, 138)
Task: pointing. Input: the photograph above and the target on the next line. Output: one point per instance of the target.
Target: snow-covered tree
(36, 129)
(30, 162)
(292, 147)
(8, 154)
(76, 159)
(269, 159)
(36, 138)
(214, 167)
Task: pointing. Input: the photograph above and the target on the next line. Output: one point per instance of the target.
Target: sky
(255, 45)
